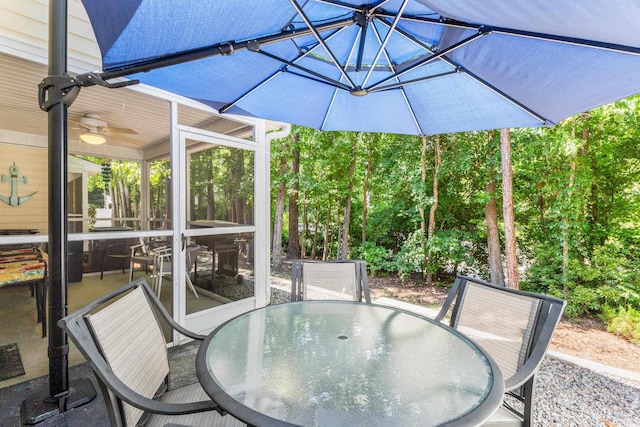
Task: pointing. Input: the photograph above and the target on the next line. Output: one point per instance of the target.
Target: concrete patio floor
(181, 360)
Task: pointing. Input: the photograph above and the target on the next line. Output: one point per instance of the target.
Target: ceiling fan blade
(77, 123)
(131, 141)
(121, 130)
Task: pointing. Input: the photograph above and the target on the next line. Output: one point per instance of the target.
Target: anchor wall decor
(14, 199)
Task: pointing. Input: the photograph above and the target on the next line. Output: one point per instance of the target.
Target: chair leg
(102, 268)
(190, 284)
(158, 284)
(130, 271)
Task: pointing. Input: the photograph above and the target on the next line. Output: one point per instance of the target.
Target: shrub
(376, 257)
(624, 322)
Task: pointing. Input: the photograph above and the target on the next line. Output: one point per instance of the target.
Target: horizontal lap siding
(33, 163)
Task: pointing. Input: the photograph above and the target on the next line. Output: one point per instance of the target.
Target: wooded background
(432, 207)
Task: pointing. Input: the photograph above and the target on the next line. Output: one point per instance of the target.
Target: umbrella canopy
(399, 66)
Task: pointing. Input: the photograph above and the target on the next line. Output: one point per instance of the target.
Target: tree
(493, 236)
(347, 204)
(369, 149)
(294, 242)
(276, 248)
(491, 219)
(434, 206)
(507, 209)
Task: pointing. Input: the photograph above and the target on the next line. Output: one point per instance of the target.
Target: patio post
(61, 396)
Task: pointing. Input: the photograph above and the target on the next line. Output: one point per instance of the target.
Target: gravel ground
(568, 395)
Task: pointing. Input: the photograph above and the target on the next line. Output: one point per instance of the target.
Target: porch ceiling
(120, 108)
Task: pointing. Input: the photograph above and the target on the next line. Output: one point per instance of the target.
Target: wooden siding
(33, 163)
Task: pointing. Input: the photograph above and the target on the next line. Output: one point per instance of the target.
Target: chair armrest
(78, 332)
(134, 248)
(538, 352)
(150, 405)
(167, 317)
(453, 292)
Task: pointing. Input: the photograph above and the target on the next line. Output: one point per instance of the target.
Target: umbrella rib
(317, 35)
(434, 56)
(225, 48)
(340, 4)
(379, 5)
(399, 83)
(226, 108)
(322, 77)
(335, 92)
(386, 40)
(459, 68)
(508, 98)
(326, 115)
(412, 81)
(350, 6)
(521, 33)
(363, 39)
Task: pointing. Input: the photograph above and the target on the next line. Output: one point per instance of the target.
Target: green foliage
(576, 201)
(623, 321)
(378, 258)
(448, 249)
(583, 300)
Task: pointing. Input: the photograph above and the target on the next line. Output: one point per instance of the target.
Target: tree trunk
(347, 206)
(294, 245)
(325, 250)
(507, 210)
(305, 231)
(421, 202)
(276, 246)
(434, 207)
(493, 236)
(314, 242)
(239, 204)
(365, 194)
(211, 200)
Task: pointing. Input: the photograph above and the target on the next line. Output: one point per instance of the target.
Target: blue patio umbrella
(405, 66)
(400, 66)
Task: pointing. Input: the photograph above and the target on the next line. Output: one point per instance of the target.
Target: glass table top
(329, 363)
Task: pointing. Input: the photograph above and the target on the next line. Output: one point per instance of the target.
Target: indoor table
(334, 363)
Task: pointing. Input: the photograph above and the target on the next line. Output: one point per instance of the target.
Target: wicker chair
(313, 280)
(121, 338)
(515, 328)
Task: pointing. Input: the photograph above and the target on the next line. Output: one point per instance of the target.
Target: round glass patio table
(333, 363)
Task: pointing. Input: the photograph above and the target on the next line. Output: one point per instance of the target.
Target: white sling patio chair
(515, 328)
(346, 280)
(120, 336)
(162, 266)
(142, 254)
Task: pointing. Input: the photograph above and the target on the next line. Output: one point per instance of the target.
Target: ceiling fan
(95, 130)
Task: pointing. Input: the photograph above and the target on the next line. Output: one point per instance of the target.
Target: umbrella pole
(61, 396)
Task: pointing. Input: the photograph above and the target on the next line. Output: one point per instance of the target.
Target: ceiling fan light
(92, 138)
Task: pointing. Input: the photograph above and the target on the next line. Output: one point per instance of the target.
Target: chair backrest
(162, 259)
(514, 327)
(191, 256)
(122, 339)
(316, 280)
